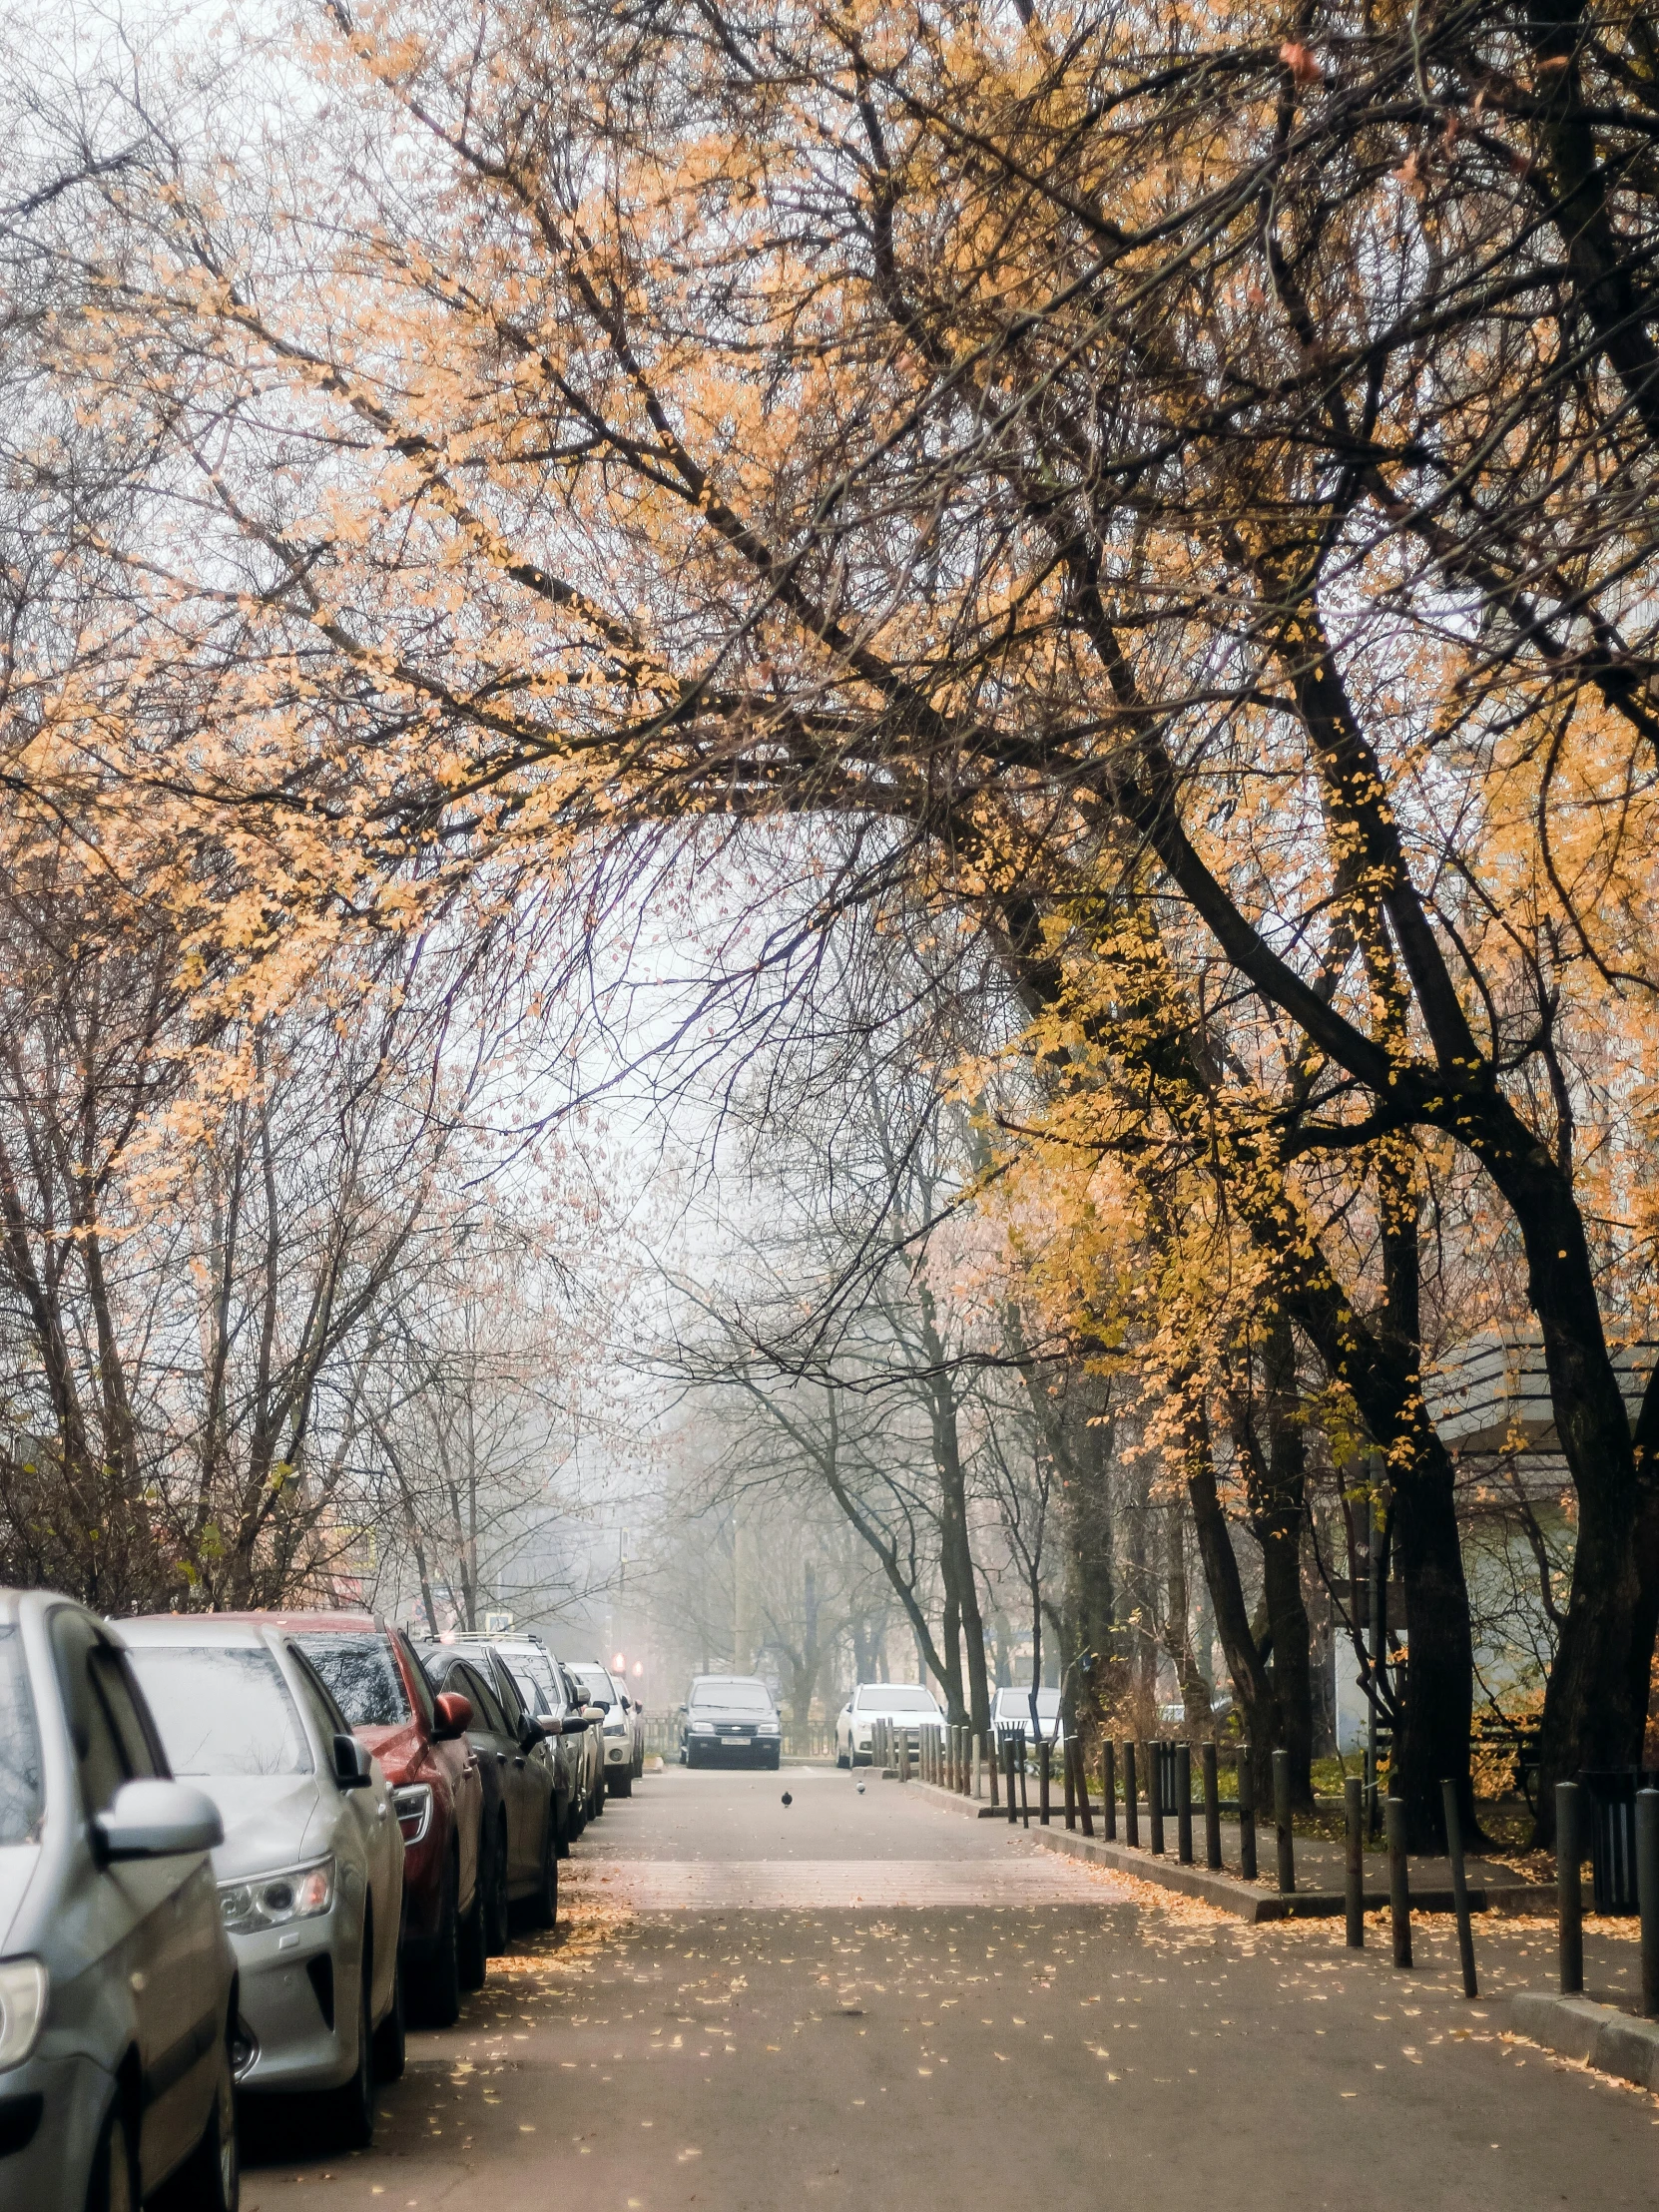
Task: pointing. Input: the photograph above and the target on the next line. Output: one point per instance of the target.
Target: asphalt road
(866, 1999)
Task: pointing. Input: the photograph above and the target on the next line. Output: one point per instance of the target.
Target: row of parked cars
(239, 1852)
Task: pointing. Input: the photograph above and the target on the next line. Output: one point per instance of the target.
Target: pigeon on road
(787, 1799)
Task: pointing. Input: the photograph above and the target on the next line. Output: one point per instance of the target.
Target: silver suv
(117, 1984)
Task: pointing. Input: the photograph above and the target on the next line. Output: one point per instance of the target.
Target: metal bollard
(1109, 1788)
(1008, 1775)
(1353, 1793)
(1400, 1878)
(1070, 1786)
(1024, 1780)
(1283, 1835)
(1459, 1887)
(978, 1766)
(1212, 1811)
(1154, 1802)
(991, 1767)
(1183, 1803)
(1044, 1751)
(1647, 1895)
(904, 1753)
(1131, 1808)
(1247, 1814)
(1569, 1896)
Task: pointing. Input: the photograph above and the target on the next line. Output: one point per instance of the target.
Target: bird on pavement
(787, 1799)
(861, 1789)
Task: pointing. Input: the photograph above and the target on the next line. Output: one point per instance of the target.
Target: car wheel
(620, 1781)
(773, 1762)
(561, 1834)
(112, 2186)
(440, 1977)
(544, 1899)
(351, 2105)
(390, 2036)
(842, 1759)
(495, 1900)
(471, 1948)
(210, 2178)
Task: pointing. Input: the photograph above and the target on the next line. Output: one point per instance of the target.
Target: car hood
(17, 1866)
(270, 1821)
(897, 1713)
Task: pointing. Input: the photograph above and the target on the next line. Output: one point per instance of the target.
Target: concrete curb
(1597, 2036)
(1229, 1892)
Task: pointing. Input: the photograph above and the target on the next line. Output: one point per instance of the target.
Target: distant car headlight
(23, 1987)
(614, 1727)
(702, 1728)
(767, 1728)
(273, 1900)
(412, 1803)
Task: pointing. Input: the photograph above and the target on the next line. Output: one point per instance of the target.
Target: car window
(896, 1697)
(506, 1692)
(223, 1709)
(418, 1674)
(111, 1743)
(22, 1789)
(314, 1696)
(734, 1696)
(486, 1708)
(597, 1685)
(362, 1674)
(536, 1695)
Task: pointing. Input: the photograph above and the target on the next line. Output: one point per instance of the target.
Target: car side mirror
(353, 1763)
(454, 1717)
(573, 1724)
(154, 1820)
(592, 1713)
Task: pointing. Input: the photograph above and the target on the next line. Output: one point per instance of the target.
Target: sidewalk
(1319, 1892)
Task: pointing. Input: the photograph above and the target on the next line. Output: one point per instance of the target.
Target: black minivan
(729, 1719)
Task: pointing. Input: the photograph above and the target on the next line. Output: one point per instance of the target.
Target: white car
(623, 1728)
(1011, 1714)
(905, 1704)
(310, 1870)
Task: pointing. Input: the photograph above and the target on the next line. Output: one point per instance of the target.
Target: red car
(421, 1744)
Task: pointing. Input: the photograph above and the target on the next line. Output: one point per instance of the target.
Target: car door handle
(501, 1758)
(519, 1761)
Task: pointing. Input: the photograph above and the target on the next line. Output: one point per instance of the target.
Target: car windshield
(362, 1676)
(895, 1697)
(221, 1709)
(597, 1683)
(22, 1793)
(734, 1696)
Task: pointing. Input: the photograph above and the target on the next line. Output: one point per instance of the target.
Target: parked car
(118, 1986)
(622, 1736)
(380, 1687)
(540, 1683)
(310, 1872)
(592, 1742)
(907, 1706)
(521, 1843)
(730, 1717)
(1011, 1715)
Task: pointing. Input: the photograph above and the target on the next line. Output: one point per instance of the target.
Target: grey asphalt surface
(972, 2033)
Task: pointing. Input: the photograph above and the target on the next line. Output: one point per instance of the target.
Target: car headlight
(273, 1900)
(616, 1727)
(23, 1987)
(767, 1728)
(412, 1803)
(702, 1728)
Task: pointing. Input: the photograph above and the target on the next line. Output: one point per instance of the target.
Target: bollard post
(1084, 1810)
(1131, 1807)
(1183, 1803)
(1353, 1792)
(904, 1753)
(1109, 1788)
(1212, 1811)
(1008, 1775)
(1154, 1802)
(1569, 1898)
(1070, 1784)
(1400, 1880)
(1247, 1814)
(1647, 1896)
(1024, 1779)
(978, 1766)
(1044, 1750)
(966, 1761)
(1459, 1887)
(991, 1765)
